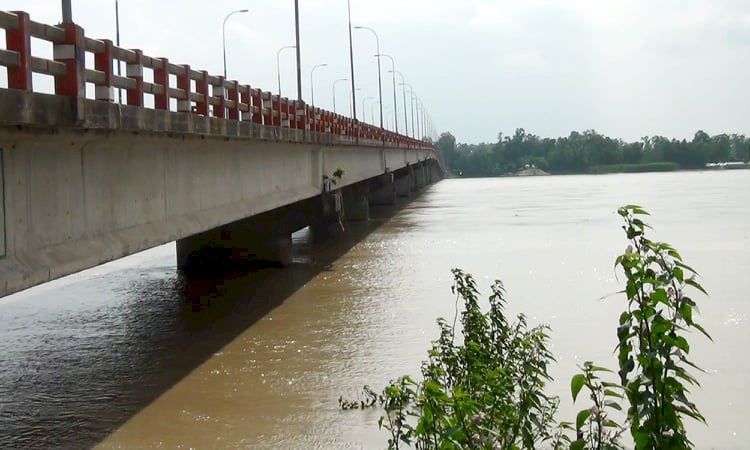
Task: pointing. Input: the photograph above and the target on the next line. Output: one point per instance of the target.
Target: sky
(626, 68)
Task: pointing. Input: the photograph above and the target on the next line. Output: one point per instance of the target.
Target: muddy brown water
(131, 355)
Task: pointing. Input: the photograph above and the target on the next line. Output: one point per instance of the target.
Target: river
(131, 355)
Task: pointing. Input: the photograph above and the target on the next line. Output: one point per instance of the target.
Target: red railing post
(268, 118)
(183, 82)
(300, 115)
(103, 63)
(201, 87)
(161, 77)
(291, 119)
(234, 95)
(134, 71)
(219, 94)
(71, 52)
(257, 106)
(246, 99)
(276, 106)
(19, 40)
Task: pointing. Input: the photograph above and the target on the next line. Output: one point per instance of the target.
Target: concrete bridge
(214, 165)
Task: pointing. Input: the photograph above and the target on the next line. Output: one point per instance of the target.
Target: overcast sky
(626, 68)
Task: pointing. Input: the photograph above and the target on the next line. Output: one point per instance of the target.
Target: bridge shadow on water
(95, 370)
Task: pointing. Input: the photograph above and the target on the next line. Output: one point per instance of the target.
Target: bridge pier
(419, 176)
(356, 202)
(403, 185)
(383, 190)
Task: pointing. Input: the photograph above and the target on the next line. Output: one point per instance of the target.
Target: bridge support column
(419, 176)
(327, 220)
(356, 202)
(403, 185)
(435, 172)
(383, 191)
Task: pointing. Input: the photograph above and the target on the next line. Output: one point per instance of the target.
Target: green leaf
(686, 311)
(659, 296)
(613, 405)
(679, 274)
(576, 383)
(580, 444)
(581, 417)
(611, 393)
(695, 284)
(682, 344)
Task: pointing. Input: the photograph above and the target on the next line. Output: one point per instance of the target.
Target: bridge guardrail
(195, 91)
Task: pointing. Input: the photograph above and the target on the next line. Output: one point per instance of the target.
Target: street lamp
(278, 65)
(403, 89)
(420, 120)
(312, 84)
(224, 37)
(380, 88)
(414, 125)
(117, 42)
(67, 12)
(364, 101)
(351, 56)
(393, 67)
(334, 92)
(351, 103)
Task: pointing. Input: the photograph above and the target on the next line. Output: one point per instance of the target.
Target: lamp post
(67, 12)
(403, 91)
(312, 84)
(117, 42)
(278, 65)
(224, 37)
(420, 120)
(351, 57)
(299, 60)
(364, 100)
(351, 103)
(380, 87)
(334, 92)
(393, 72)
(414, 125)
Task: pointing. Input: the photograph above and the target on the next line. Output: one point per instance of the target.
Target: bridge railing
(175, 87)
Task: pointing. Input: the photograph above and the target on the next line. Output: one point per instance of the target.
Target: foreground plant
(488, 391)
(652, 338)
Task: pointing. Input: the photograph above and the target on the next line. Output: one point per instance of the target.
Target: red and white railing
(195, 91)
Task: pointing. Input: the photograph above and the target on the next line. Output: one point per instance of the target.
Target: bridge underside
(75, 198)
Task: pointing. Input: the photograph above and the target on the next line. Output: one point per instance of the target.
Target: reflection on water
(259, 360)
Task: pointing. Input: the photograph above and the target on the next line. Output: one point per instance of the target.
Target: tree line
(589, 152)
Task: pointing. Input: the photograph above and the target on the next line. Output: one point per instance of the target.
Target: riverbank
(662, 166)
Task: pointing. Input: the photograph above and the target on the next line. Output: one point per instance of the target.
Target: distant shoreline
(609, 170)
